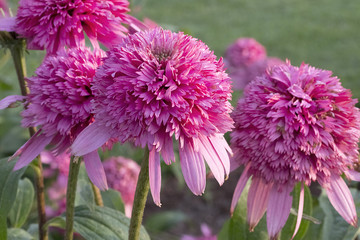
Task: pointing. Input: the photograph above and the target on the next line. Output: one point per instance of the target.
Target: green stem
(70, 196)
(18, 55)
(142, 190)
(97, 194)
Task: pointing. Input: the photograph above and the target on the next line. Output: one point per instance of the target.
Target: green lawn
(323, 33)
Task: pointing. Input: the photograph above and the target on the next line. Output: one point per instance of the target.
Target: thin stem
(142, 190)
(18, 55)
(70, 197)
(97, 195)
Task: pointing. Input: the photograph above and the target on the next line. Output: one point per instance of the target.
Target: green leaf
(8, 189)
(18, 234)
(112, 199)
(164, 221)
(23, 203)
(101, 223)
(84, 193)
(289, 228)
(237, 227)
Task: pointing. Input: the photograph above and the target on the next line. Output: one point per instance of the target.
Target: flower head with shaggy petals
(295, 124)
(53, 24)
(158, 84)
(59, 105)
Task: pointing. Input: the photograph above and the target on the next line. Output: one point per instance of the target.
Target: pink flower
(244, 52)
(242, 75)
(155, 85)
(207, 235)
(53, 24)
(122, 175)
(59, 104)
(57, 190)
(3, 7)
(295, 125)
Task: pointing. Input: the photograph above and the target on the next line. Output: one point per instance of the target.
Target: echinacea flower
(205, 230)
(242, 75)
(53, 24)
(295, 124)
(59, 105)
(244, 52)
(158, 84)
(122, 174)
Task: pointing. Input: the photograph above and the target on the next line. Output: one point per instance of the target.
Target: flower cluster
(295, 124)
(158, 84)
(246, 59)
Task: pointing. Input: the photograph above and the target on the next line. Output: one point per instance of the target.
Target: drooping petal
(341, 199)
(193, 168)
(212, 158)
(90, 139)
(155, 175)
(95, 170)
(167, 151)
(223, 150)
(300, 210)
(278, 209)
(7, 24)
(31, 149)
(7, 101)
(240, 187)
(257, 201)
(353, 175)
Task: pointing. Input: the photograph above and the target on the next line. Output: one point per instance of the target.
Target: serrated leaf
(101, 223)
(289, 228)
(112, 199)
(18, 234)
(23, 203)
(8, 188)
(164, 221)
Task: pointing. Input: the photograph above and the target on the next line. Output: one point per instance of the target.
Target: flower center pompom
(296, 124)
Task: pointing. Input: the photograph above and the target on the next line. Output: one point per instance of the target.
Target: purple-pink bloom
(53, 24)
(295, 124)
(207, 234)
(158, 84)
(59, 105)
(122, 175)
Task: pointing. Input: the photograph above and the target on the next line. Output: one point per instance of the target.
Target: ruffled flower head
(158, 84)
(59, 105)
(295, 124)
(122, 175)
(53, 24)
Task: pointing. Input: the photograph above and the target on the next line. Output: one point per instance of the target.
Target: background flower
(56, 23)
(122, 175)
(155, 85)
(295, 125)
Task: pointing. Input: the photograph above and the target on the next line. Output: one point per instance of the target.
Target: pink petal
(7, 24)
(223, 150)
(90, 139)
(155, 175)
(300, 210)
(193, 168)
(7, 101)
(240, 187)
(278, 209)
(341, 199)
(353, 175)
(95, 170)
(167, 151)
(212, 158)
(257, 201)
(31, 149)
